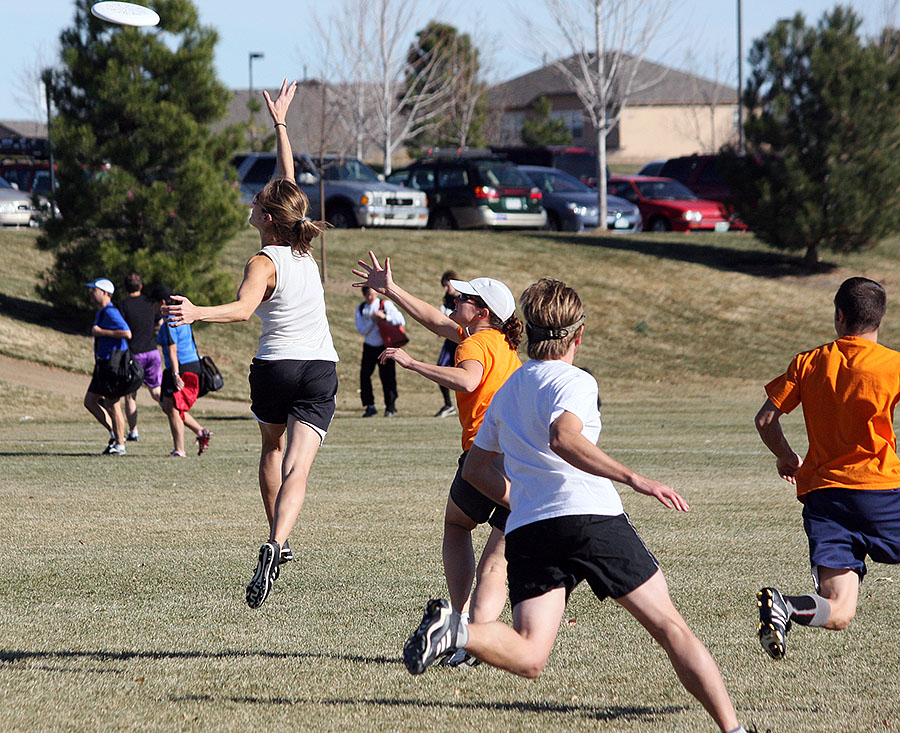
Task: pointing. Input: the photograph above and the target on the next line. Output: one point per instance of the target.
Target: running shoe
(390, 413)
(446, 411)
(435, 637)
(260, 584)
(114, 450)
(133, 436)
(460, 658)
(774, 622)
(177, 454)
(203, 441)
(370, 411)
(287, 554)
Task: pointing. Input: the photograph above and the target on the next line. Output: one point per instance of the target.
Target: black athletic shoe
(435, 637)
(370, 411)
(287, 554)
(260, 584)
(459, 658)
(774, 622)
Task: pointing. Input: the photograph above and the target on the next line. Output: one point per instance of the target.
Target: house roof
(654, 84)
(22, 128)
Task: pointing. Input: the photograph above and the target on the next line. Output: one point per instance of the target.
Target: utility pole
(47, 78)
(252, 55)
(740, 70)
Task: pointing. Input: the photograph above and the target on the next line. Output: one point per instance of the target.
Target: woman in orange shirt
(485, 326)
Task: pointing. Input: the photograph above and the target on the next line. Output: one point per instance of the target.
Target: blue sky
(281, 30)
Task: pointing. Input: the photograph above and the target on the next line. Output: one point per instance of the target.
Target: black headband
(539, 333)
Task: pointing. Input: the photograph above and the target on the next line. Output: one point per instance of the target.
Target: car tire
(341, 216)
(441, 219)
(553, 223)
(659, 224)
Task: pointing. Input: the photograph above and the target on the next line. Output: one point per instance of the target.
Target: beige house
(671, 113)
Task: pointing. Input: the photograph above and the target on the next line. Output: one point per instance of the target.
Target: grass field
(121, 598)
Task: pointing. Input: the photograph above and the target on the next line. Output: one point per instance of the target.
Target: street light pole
(252, 55)
(740, 70)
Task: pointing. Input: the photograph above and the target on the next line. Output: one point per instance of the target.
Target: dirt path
(59, 381)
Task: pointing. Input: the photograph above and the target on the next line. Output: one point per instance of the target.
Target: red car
(667, 205)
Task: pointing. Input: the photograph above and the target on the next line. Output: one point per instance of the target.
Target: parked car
(17, 207)
(472, 189)
(667, 205)
(703, 175)
(354, 195)
(33, 177)
(652, 168)
(571, 206)
(578, 162)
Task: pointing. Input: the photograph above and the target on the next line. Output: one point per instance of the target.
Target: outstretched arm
(768, 425)
(278, 111)
(463, 378)
(259, 278)
(569, 444)
(381, 281)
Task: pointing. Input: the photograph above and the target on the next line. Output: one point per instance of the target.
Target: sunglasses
(466, 298)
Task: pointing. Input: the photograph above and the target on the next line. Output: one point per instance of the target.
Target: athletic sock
(808, 610)
(739, 729)
(462, 631)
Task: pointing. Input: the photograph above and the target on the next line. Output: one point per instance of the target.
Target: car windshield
(503, 174)
(665, 191)
(550, 182)
(345, 169)
(4, 183)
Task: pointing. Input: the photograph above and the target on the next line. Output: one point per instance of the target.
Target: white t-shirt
(294, 323)
(368, 326)
(517, 424)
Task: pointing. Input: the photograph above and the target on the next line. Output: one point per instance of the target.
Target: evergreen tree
(543, 129)
(824, 120)
(143, 183)
(449, 62)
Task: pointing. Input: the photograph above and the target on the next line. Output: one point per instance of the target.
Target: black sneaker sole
(260, 584)
(418, 652)
(771, 636)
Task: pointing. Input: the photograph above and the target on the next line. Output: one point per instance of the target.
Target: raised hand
(398, 355)
(180, 312)
(375, 276)
(278, 109)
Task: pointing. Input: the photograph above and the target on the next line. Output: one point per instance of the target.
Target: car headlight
(693, 215)
(576, 209)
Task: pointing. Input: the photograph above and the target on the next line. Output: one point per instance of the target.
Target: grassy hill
(663, 309)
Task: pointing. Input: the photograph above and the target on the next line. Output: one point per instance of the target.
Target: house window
(511, 127)
(574, 120)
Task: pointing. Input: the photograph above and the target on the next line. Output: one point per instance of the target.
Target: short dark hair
(133, 282)
(863, 302)
(365, 290)
(448, 276)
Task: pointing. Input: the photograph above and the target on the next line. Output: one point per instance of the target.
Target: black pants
(386, 372)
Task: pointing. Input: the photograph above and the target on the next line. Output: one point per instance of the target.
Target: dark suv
(704, 175)
(469, 190)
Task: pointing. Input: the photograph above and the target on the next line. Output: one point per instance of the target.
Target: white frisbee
(125, 13)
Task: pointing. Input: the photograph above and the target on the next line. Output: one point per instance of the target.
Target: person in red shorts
(849, 481)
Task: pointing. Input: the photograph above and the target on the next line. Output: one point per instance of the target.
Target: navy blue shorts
(475, 505)
(845, 525)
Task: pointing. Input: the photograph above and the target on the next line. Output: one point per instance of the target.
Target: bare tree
(711, 93)
(402, 109)
(599, 48)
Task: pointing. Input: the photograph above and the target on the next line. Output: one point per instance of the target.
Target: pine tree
(543, 129)
(143, 183)
(824, 120)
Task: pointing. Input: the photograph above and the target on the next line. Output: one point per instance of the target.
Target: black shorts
(304, 389)
(99, 382)
(475, 505)
(563, 551)
(168, 379)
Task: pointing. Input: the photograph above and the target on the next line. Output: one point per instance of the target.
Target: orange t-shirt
(848, 389)
(490, 349)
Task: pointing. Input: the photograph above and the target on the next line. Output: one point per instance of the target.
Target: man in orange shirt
(485, 326)
(849, 481)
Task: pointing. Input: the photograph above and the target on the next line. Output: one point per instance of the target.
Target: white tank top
(294, 323)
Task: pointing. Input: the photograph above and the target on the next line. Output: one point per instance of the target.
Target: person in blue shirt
(110, 332)
(181, 357)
